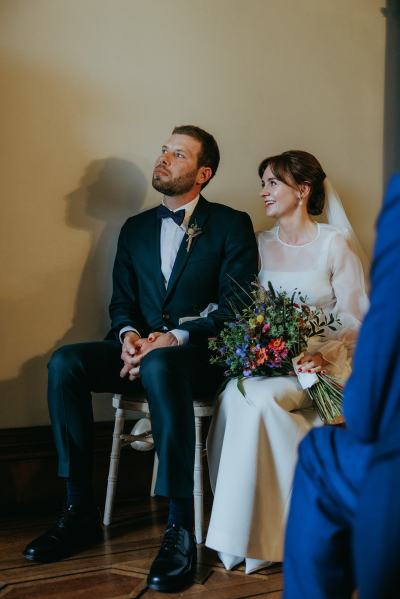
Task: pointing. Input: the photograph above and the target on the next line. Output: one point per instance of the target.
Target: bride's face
(279, 199)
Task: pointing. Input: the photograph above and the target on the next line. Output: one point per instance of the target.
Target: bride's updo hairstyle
(296, 167)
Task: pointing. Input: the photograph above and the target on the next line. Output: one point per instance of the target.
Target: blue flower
(241, 352)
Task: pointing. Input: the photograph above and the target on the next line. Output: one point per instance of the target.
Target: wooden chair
(141, 439)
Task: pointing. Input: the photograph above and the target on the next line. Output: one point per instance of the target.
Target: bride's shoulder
(333, 239)
(267, 235)
(330, 232)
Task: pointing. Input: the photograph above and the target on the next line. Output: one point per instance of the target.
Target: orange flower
(261, 356)
(277, 344)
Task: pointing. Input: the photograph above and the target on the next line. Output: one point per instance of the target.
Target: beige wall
(89, 90)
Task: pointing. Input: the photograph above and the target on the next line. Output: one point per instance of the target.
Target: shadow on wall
(110, 191)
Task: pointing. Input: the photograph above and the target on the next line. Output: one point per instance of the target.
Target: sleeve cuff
(181, 336)
(125, 330)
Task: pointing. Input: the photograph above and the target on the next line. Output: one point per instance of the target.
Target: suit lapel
(154, 249)
(198, 218)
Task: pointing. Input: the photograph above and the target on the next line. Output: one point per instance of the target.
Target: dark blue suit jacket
(226, 249)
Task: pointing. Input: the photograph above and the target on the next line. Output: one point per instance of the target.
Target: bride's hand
(311, 363)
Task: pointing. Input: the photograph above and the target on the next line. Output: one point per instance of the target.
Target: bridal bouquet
(269, 333)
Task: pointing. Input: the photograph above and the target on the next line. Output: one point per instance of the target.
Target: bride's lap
(261, 391)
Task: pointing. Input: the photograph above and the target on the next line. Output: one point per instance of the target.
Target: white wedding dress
(252, 442)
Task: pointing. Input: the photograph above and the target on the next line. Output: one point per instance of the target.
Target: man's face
(176, 170)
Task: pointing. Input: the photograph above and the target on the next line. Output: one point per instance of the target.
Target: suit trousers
(171, 377)
(330, 472)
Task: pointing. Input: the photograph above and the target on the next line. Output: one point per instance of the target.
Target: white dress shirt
(171, 236)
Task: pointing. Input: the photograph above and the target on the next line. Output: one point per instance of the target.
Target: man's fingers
(128, 359)
(125, 370)
(153, 336)
(135, 361)
(128, 348)
(134, 373)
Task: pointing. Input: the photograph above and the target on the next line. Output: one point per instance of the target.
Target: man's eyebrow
(175, 149)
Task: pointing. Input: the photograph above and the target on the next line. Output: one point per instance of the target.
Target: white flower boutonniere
(193, 231)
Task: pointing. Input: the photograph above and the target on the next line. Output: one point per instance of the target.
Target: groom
(343, 530)
(172, 262)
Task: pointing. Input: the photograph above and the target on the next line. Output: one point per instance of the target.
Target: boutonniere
(193, 231)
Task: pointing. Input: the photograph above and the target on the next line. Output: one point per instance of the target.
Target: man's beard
(177, 186)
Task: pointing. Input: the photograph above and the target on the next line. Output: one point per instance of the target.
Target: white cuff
(181, 336)
(125, 330)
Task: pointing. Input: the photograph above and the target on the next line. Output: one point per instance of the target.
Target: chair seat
(138, 403)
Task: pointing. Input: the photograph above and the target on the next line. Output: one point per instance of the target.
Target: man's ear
(203, 175)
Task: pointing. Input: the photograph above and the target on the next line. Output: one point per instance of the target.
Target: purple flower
(246, 372)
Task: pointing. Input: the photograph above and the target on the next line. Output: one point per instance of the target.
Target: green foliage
(270, 328)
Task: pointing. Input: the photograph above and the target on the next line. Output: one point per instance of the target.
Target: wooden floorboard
(117, 567)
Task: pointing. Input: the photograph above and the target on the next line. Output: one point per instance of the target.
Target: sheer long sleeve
(351, 303)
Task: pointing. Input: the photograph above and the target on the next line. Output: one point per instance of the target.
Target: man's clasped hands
(134, 348)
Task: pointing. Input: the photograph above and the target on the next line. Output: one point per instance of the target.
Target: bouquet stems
(327, 397)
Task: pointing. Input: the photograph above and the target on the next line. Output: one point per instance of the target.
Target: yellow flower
(260, 318)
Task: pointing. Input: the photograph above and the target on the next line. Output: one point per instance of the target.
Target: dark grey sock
(181, 512)
(80, 492)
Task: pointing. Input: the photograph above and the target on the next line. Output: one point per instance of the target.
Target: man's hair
(209, 152)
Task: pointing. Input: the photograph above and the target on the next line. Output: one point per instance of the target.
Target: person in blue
(343, 530)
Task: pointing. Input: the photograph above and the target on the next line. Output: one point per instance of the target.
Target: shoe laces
(171, 538)
(68, 514)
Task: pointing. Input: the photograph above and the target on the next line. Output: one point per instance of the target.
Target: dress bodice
(329, 275)
(324, 270)
(314, 285)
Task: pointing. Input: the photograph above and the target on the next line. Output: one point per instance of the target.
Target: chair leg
(114, 463)
(198, 484)
(154, 477)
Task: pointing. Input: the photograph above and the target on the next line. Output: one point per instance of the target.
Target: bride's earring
(300, 201)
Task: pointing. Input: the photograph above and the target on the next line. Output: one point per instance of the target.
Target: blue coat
(343, 529)
(372, 395)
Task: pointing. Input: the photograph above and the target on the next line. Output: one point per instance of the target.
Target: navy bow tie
(177, 216)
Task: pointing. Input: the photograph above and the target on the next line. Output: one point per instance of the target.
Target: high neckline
(298, 245)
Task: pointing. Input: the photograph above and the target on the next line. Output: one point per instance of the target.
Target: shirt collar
(188, 208)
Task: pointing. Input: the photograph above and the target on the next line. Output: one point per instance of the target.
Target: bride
(252, 442)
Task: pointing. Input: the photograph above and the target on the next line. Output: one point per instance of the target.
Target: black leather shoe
(74, 530)
(173, 568)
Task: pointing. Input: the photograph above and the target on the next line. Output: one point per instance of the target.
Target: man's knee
(64, 360)
(158, 365)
